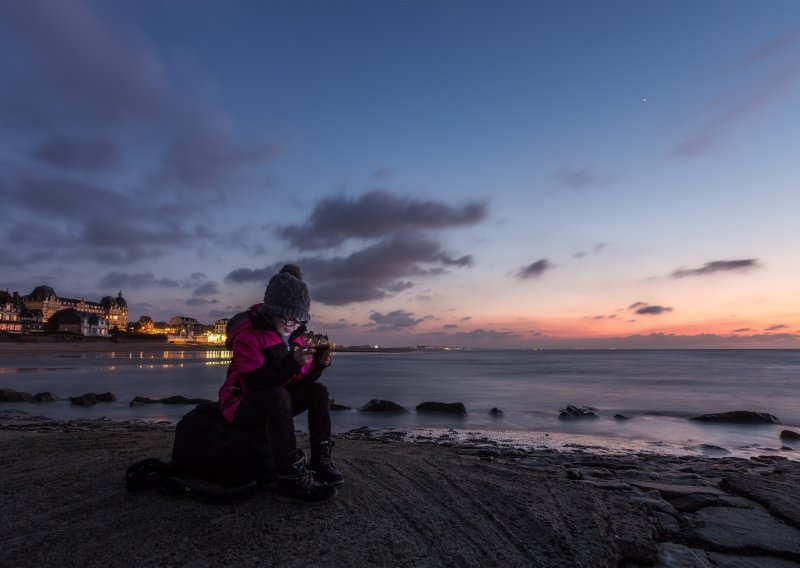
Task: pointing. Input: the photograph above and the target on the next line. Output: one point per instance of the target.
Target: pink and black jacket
(261, 359)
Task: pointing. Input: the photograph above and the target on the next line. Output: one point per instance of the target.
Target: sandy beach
(428, 503)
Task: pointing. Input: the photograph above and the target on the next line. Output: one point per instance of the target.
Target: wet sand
(94, 346)
(431, 503)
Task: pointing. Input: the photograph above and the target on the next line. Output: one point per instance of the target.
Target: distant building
(220, 326)
(145, 325)
(71, 320)
(45, 299)
(185, 328)
(9, 314)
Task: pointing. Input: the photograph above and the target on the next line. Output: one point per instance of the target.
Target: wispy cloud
(717, 266)
(580, 178)
(535, 269)
(762, 76)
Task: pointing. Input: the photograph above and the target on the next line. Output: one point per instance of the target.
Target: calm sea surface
(657, 390)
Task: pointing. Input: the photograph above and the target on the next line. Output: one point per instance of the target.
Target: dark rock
(44, 397)
(335, 406)
(735, 561)
(496, 412)
(778, 493)
(733, 530)
(790, 435)
(669, 525)
(442, 407)
(671, 555)
(572, 411)
(11, 395)
(620, 417)
(377, 405)
(88, 399)
(670, 491)
(739, 417)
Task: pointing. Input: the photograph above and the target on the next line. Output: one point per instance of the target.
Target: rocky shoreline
(409, 500)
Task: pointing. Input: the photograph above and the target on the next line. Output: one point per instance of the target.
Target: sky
(538, 174)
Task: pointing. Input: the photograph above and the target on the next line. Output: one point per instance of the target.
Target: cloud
(200, 302)
(379, 271)
(535, 270)
(207, 289)
(226, 313)
(580, 178)
(777, 327)
(596, 249)
(742, 330)
(375, 214)
(140, 280)
(450, 326)
(90, 154)
(81, 98)
(398, 319)
(645, 309)
(136, 280)
(773, 79)
(717, 266)
(481, 334)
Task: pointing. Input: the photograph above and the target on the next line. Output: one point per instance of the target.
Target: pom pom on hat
(287, 295)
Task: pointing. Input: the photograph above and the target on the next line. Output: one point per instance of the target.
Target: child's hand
(302, 355)
(323, 356)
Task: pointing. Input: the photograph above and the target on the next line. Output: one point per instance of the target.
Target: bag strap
(153, 473)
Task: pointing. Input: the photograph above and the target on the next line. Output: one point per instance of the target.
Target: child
(272, 378)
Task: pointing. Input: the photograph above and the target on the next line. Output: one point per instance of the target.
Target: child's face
(284, 326)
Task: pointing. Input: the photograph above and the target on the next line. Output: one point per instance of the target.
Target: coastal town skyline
(504, 174)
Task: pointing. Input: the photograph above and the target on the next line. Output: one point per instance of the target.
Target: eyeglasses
(291, 322)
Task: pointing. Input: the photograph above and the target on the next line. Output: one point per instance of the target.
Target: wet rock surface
(377, 405)
(710, 512)
(443, 408)
(91, 398)
(573, 411)
(739, 417)
(488, 502)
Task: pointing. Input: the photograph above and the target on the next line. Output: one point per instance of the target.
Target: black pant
(273, 410)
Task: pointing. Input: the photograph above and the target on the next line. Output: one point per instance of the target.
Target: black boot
(297, 485)
(322, 464)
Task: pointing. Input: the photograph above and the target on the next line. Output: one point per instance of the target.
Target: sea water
(658, 391)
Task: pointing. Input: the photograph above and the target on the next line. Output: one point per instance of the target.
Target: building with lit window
(9, 314)
(45, 299)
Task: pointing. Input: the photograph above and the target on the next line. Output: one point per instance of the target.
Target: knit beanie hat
(287, 295)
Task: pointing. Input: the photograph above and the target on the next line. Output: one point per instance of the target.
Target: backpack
(213, 461)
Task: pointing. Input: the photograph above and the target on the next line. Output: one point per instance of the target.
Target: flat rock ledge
(473, 502)
(727, 512)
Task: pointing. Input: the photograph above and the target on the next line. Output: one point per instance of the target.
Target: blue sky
(499, 174)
